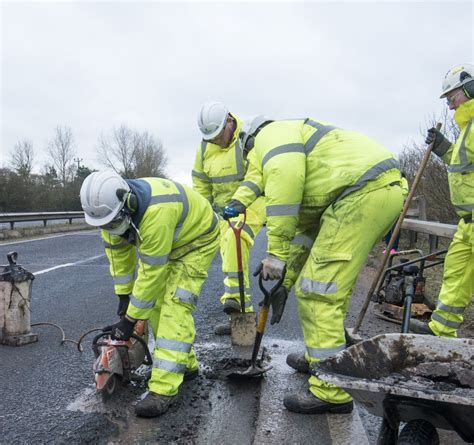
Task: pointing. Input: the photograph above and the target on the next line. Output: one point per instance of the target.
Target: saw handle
(148, 359)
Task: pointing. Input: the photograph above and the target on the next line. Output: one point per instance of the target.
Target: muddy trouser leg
(254, 222)
(174, 329)
(349, 228)
(458, 283)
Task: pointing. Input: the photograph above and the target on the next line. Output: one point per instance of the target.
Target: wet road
(47, 393)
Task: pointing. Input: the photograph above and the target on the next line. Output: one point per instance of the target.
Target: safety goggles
(116, 222)
(450, 99)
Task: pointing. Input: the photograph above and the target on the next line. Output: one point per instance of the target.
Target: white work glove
(272, 268)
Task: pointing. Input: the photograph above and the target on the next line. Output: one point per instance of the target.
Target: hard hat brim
(97, 222)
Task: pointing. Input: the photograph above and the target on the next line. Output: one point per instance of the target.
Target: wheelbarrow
(425, 381)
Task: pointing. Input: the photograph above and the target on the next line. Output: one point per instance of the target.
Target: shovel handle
(237, 229)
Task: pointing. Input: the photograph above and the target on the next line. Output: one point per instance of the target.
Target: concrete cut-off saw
(116, 361)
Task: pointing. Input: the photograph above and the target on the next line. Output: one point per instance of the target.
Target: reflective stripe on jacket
(174, 217)
(460, 157)
(304, 162)
(218, 172)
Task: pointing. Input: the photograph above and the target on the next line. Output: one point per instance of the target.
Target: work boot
(418, 327)
(231, 306)
(153, 405)
(305, 402)
(298, 362)
(222, 328)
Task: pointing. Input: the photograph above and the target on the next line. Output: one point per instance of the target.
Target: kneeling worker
(169, 234)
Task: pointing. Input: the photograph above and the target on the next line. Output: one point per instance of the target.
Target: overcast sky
(374, 67)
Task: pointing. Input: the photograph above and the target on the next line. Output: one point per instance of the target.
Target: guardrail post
(12, 225)
(70, 220)
(44, 222)
(433, 240)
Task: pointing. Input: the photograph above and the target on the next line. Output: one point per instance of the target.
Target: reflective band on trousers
(323, 353)
(167, 365)
(287, 148)
(283, 209)
(442, 320)
(318, 287)
(173, 345)
(322, 130)
(154, 260)
(140, 303)
(186, 297)
(234, 289)
(123, 279)
(303, 240)
(371, 173)
(252, 186)
(452, 309)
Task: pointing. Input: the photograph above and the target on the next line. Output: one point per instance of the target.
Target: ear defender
(468, 87)
(129, 198)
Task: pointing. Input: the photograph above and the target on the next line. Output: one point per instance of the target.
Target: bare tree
(62, 152)
(132, 154)
(150, 157)
(22, 157)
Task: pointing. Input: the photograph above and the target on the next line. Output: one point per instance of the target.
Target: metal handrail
(12, 218)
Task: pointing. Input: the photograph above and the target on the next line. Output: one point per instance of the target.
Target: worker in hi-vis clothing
(331, 195)
(160, 238)
(219, 170)
(458, 280)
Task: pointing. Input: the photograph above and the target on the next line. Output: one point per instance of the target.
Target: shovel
(243, 325)
(254, 370)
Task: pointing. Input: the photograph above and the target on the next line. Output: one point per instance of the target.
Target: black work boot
(231, 306)
(298, 362)
(418, 327)
(153, 405)
(222, 328)
(190, 374)
(305, 402)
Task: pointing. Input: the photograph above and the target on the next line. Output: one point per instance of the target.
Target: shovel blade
(250, 373)
(243, 328)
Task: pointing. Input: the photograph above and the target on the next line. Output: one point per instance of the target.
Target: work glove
(233, 209)
(277, 302)
(441, 144)
(123, 305)
(122, 330)
(272, 268)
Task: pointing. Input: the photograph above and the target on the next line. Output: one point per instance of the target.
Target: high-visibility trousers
(348, 230)
(458, 283)
(172, 319)
(255, 219)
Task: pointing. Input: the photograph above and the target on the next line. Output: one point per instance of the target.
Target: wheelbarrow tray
(375, 373)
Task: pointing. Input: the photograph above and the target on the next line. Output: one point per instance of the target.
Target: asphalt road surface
(47, 393)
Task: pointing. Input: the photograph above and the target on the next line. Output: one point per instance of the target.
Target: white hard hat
(250, 130)
(99, 198)
(212, 119)
(457, 77)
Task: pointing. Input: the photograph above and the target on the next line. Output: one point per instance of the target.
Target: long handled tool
(243, 325)
(254, 370)
(395, 232)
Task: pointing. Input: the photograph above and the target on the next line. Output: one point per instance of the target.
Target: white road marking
(60, 266)
(94, 232)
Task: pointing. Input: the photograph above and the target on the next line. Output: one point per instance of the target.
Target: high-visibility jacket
(460, 157)
(172, 220)
(217, 171)
(304, 163)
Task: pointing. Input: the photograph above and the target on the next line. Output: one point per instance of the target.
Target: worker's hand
(122, 330)
(272, 268)
(277, 302)
(123, 305)
(229, 212)
(440, 143)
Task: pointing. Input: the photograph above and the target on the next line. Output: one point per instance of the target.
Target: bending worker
(175, 235)
(334, 193)
(458, 279)
(218, 171)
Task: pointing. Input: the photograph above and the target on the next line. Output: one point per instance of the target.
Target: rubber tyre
(418, 432)
(387, 435)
